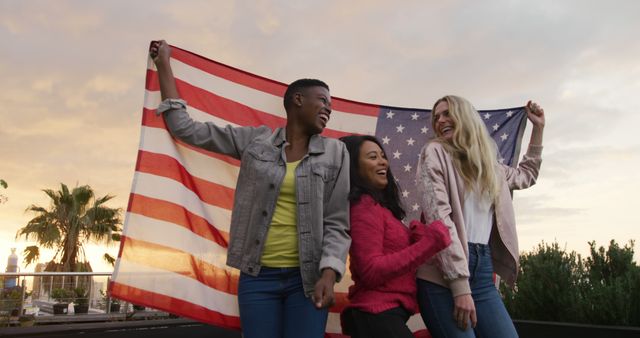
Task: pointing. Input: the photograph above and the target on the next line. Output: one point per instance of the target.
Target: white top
(478, 216)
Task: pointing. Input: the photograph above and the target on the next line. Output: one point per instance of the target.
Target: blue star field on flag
(403, 132)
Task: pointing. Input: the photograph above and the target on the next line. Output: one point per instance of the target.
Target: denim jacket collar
(316, 146)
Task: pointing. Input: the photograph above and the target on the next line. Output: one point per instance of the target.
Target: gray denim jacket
(322, 186)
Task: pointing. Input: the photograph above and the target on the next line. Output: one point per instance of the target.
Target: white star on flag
(400, 128)
(510, 113)
(487, 116)
(415, 116)
(504, 136)
(397, 154)
(415, 207)
(410, 141)
(407, 167)
(424, 130)
(405, 193)
(390, 114)
(496, 126)
(385, 140)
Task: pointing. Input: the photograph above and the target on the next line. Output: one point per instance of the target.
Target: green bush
(62, 295)
(10, 298)
(80, 296)
(612, 286)
(546, 286)
(554, 285)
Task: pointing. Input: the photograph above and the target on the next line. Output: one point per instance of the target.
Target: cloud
(535, 209)
(108, 84)
(567, 166)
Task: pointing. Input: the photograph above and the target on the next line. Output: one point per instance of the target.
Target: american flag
(173, 250)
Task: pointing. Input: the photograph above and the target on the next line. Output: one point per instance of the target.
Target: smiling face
(315, 109)
(442, 122)
(373, 165)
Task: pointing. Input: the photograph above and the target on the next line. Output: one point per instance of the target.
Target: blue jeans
(436, 302)
(273, 305)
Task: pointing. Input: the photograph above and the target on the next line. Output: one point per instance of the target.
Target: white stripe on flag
(152, 100)
(415, 323)
(199, 165)
(333, 323)
(168, 234)
(176, 286)
(172, 191)
(265, 102)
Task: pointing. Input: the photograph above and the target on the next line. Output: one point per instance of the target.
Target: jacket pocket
(263, 152)
(324, 177)
(326, 172)
(260, 162)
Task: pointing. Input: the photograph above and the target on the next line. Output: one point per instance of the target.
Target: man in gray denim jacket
(321, 179)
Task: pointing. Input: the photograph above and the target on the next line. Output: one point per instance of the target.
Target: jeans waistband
(479, 248)
(270, 268)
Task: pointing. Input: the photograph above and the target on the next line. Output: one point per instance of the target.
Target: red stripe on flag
(168, 259)
(230, 110)
(149, 119)
(190, 310)
(178, 215)
(261, 83)
(335, 335)
(229, 73)
(341, 302)
(167, 166)
(180, 262)
(354, 107)
(219, 106)
(177, 306)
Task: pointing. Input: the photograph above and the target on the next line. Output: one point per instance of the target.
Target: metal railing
(24, 293)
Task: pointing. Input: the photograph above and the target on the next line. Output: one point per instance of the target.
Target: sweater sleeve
(368, 259)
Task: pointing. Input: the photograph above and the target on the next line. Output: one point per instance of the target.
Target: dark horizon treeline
(560, 286)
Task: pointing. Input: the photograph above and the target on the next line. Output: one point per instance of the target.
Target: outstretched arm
(526, 173)
(221, 139)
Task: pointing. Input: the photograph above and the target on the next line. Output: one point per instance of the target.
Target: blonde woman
(462, 183)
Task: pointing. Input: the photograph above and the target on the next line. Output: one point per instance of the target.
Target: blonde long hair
(473, 151)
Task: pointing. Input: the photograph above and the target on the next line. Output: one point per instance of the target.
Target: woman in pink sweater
(384, 252)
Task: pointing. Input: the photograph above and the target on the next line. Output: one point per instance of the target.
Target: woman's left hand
(464, 311)
(323, 290)
(535, 114)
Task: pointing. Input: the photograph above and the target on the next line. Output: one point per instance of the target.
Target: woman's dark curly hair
(389, 196)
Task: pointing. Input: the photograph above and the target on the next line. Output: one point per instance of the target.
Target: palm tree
(3, 184)
(73, 219)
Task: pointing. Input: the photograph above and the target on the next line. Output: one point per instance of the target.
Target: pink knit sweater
(384, 259)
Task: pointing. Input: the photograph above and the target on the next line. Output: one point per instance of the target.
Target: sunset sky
(72, 85)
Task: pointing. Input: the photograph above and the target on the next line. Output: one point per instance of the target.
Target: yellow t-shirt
(281, 247)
